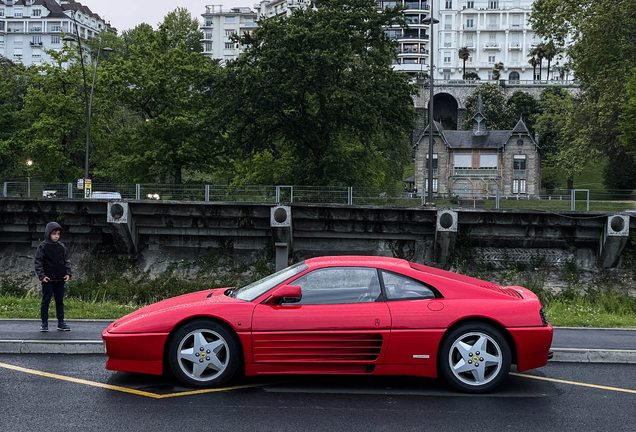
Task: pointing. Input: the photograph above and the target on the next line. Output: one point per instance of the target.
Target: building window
(491, 59)
(488, 160)
(493, 4)
(519, 186)
(447, 75)
(208, 46)
(55, 39)
(1, 12)
(447, 57)
(434, 184)
(37, 40)
(447, 40)
(470, 5)
(470, 22)
(18, 13)
(229, 46)
(449, 4)
(229, 33)
(208, 22)
(463, 160)
(519, 165)
(410, 61)
(434, 164)
(230, 20)
(36, 12)
(515, 186)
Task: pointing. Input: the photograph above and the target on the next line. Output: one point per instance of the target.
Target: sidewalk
(580, 345)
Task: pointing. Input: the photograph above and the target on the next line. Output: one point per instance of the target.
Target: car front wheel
(474, 358)
(204, 354)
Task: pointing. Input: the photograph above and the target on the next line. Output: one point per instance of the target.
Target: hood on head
(50, 227)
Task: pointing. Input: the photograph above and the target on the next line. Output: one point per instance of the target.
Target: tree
(472, 76)
(550, 52)
(534, 63)
(539, 52)
(464, 54)
(496, 71)
(523, 106)
(498, 114)
(602, 53)
(161, 94)
(315, 97)
(180, 28)
(14, 80)
(628, 119)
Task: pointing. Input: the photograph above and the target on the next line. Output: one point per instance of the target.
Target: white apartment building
(493, 30)
(28, 27)
(219, 25)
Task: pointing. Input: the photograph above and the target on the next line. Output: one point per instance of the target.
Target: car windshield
(256, 289)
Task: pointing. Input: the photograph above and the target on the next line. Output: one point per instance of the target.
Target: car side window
(401, 287)
(339, 285)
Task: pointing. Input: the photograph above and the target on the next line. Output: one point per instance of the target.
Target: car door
(416, 313)
(340, 319)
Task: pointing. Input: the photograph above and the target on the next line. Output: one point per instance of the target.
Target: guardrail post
(207, 193)
(291, 193)
(497, 198)
(70, 190)
(350, 195)
(5, 190)
(277, 194)
(138, 191)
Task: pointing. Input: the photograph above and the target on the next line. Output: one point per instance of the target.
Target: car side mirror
(285, 294)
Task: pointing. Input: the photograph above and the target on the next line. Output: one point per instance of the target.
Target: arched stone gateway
(445, 110)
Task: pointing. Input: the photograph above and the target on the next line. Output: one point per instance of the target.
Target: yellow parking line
(122, 389)
(574, 383)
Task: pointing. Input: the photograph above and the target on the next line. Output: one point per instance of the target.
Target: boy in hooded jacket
(54, 270)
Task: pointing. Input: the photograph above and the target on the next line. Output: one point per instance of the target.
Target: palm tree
(551, 51)
(496, 71)
(539, 53)
(464, 54)
(534, 62)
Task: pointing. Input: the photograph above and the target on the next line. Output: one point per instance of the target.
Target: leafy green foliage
(524, 106)
(499, 116)
(314, 95)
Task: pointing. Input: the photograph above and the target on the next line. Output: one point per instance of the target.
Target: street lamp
(29, 163)
(430, 21)
(87, 100)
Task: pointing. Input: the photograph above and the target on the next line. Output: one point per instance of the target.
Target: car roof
(371, 261)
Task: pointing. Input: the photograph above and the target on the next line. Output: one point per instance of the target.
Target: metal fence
(555, 199)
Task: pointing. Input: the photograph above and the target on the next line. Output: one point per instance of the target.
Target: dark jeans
(55, 289)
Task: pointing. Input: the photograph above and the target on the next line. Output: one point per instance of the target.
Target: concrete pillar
(613, 240)
(122, 227)
(445, 235)
(281, 224)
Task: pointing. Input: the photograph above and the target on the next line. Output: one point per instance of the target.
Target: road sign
(80, 184)
(88, 188)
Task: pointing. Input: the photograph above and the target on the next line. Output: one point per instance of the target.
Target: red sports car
(339, 315)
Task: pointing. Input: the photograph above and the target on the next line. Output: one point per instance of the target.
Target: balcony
(493, 27)
(515, 45)
(516, 26)
(448, 26)
(55, 29)
(435, 171)
(492, 46)
(35, 44)
(422, 37)
(518, 172)
(475, 172)
(35, 29)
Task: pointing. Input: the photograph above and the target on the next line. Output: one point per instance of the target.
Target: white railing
(519, 172)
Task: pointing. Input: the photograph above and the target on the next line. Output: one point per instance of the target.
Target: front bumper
(135, 352)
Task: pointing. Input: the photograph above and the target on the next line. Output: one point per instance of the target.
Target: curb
(51, 347)
(582, 355)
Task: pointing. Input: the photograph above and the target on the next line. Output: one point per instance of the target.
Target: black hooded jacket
(51, 258)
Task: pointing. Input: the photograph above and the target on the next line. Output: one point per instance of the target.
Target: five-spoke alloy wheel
(474, 358)
(204, 354)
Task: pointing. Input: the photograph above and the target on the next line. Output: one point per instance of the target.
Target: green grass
(557, 205)
(29, 307)
(590, 178)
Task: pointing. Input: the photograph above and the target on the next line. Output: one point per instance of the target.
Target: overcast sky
(126, 14)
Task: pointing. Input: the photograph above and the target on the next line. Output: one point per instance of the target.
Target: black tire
(461, 371)
(211, 366)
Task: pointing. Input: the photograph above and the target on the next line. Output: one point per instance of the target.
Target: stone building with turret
(474, 164)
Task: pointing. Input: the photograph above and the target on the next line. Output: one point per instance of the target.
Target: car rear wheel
(204, 354)
(474, 358)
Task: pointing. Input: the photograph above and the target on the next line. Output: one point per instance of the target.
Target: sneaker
(44, 327)
(62, 326)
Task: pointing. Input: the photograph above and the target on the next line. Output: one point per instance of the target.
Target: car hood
(171, 306)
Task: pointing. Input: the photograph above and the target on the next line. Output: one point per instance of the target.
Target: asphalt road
(32, 400)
